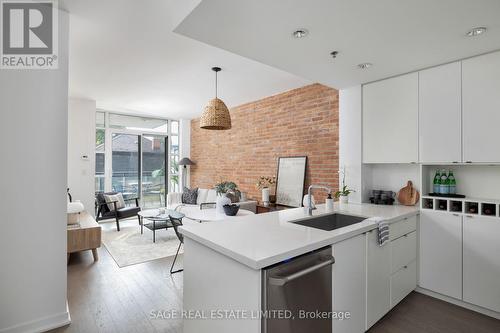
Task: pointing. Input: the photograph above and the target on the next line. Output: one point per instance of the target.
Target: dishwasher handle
(281, 281)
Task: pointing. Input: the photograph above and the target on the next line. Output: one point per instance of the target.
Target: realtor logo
(29, 34)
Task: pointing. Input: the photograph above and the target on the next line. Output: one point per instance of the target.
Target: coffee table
(158, 220)
(209, 214)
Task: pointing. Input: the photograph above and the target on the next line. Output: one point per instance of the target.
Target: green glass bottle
(437, 182)
(452, 183)
(444, 185)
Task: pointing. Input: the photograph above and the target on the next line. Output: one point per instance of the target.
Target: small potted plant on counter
(343, 195)
(227, 193)
(263, 184)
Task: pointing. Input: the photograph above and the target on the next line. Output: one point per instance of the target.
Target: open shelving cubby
(468, 206)
(478, 182)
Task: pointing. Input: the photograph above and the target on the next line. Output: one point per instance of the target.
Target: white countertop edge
(259, 264)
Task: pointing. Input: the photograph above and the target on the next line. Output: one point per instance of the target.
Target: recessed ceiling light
(365, 65)
(476, 32)
(334, 54)
(300, 33)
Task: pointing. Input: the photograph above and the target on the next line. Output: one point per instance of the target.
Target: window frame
(109, 131)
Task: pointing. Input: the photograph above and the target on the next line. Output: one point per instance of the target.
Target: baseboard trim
(41, 325)
(458, 302)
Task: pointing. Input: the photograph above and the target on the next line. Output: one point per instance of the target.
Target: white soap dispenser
(329, 203)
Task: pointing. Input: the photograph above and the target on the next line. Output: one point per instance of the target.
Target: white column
(33, 135)
(350, 140)
(81, 143)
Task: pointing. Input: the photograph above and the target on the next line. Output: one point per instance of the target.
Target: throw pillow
(118, 197)
(189, 196)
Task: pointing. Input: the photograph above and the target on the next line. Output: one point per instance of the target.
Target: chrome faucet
(309, 200)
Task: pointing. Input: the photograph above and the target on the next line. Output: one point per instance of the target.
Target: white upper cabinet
(481, 108)
(440, 132)
(390, 120)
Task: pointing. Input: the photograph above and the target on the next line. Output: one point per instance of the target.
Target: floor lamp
(185, 162)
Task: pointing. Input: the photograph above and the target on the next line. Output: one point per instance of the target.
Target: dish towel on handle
(383, 230)
(383, 233)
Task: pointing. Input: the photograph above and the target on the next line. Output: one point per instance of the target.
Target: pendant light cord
(215, 84)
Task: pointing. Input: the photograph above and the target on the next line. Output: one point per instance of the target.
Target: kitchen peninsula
(224, 264)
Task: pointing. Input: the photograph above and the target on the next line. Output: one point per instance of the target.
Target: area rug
(129, 247)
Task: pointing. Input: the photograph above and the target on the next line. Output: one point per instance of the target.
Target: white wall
(33, 136)
(389, 177)
(350, 140)
(185, 146)
(81, 141)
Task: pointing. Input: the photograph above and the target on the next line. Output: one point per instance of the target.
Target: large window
(137, 156)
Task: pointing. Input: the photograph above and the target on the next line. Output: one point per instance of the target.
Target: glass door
(125, 172)
(154, 162)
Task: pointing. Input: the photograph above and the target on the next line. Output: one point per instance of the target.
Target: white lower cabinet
(441, 253)
(349, 287)
(391, 269)
(404, 251)
(369, 279)
(378, 288)
(403, 282)
(403, 260)
(481, 255)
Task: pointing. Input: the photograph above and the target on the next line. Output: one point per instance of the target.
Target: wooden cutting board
(408, 195)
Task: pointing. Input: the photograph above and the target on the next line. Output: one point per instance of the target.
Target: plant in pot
(343, 194)
(264, 185)
(227, 193)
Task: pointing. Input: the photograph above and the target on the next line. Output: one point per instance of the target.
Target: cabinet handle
(468, 161)
(456, 215)
(454, 162)
(405, 219)
(469, 216)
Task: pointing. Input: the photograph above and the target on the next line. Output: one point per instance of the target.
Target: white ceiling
(124, 55)
(397, 36)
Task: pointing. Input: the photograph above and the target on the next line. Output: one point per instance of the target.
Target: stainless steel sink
(330, 222)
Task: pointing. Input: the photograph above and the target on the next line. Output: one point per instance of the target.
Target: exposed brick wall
(298, 122)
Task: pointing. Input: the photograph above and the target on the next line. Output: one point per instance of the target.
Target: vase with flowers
(264, 183)
(343, 194)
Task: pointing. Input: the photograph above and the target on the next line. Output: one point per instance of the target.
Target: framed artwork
(290, 180)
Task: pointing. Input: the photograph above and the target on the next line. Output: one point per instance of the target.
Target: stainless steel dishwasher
(295, 292)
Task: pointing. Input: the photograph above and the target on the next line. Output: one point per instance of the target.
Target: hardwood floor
(419, 313)
(105, 298)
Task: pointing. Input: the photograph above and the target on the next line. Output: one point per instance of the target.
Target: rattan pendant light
(216, 115)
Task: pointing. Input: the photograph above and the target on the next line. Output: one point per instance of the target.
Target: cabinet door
(403, 282)
(482, 261)
(378, 288)
(440, 132)
(481, 108)
(349, 283)
(441, 253)
(390, 120)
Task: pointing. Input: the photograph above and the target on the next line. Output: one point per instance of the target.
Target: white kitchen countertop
(265, 239)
